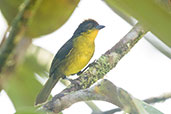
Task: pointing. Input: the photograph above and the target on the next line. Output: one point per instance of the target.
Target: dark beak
(99, 27)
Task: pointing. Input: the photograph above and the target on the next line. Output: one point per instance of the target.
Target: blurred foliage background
(50, 15)
(18, 79)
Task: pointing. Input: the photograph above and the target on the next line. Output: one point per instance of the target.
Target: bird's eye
(89, 26)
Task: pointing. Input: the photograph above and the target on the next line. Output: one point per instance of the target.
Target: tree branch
(157, 99)
(97, 92)
(104, 91)
(101, 67)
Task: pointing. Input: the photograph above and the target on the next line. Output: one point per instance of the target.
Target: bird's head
(87, 27)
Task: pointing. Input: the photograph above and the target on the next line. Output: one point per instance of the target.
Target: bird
(72, 57)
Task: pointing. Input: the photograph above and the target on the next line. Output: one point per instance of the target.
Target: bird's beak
(99, 27)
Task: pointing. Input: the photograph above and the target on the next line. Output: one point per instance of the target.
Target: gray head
(87, 25)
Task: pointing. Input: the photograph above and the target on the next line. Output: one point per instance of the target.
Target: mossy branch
(103, 65)
(16, 30)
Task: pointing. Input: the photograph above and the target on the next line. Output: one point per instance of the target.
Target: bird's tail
(46, 90)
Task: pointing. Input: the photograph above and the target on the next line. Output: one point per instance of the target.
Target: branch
(97, 92)
(158, 99)
(102, 66)
(104, 91)
(16, 30)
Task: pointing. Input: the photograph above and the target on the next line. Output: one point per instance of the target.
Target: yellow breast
(80, 55)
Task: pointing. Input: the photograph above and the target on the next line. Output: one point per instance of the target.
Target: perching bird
(73, 56)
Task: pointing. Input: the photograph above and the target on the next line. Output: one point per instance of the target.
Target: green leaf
(135, 106)
(107, 91)
(148, 12)
(49, 14)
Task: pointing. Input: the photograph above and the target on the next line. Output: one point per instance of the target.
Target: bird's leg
(66, 78)
(91, 64)
(71, 80)
(83, 70)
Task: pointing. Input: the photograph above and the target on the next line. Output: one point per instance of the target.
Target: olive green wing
(61, 54)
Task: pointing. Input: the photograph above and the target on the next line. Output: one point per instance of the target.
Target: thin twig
(158, 99)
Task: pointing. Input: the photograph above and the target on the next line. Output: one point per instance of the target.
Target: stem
(16, 31)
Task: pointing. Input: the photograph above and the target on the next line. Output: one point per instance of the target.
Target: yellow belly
(78, 58)
(80, 55)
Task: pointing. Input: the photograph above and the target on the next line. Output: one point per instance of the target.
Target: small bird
(72, 57)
